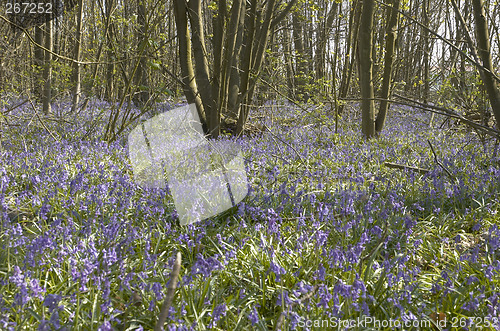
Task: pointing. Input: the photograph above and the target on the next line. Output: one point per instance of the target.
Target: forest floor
(330, 236)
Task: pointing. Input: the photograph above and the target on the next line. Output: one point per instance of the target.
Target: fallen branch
(404, 167)
(42, 122)
(452, 113)
(167, 303)
(439, 163)
(436, 110)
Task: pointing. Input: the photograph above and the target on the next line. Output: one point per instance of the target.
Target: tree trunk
(287, 57)
(201, 67)
(366, 69)
(301, 73)
(76, 65)
(218, 23)
(246, 64)
(323, 37)
(390, 43)
(351, 46)
(39, 61)
(257, 58)
(426, 50)
(47, 70)
(483, 43)
(110, 70)
(186, 64)
(141, 75)
(230, 53)
(234, 81)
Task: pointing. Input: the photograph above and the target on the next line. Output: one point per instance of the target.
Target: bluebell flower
(277, 270)
(294, 319)
(321, 272)
(283, 299)
(205, 267)
(51, 301)
(106, 326)
(324, 296)
(218, 312)
(253, 316)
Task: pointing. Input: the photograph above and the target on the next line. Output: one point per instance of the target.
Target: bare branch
(170, 293)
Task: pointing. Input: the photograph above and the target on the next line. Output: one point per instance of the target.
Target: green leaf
(154, 65)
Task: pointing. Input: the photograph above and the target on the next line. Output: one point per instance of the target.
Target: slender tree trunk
(218, 23)
(186, 64)
(246, 64)
(229, 54)
(287, 57)
(141, 75)
(426, 50)
(76, 65)
(100, 49)
(201, 67)
(366, 69)
(300, 57)
(390, 43)
(234, 81)
(257, 58)
(351, 48)
(483, 43)
(47, 72)
(110, 70)
(323, 37)
(39, 62)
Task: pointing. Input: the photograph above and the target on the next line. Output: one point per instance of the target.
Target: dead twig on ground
(174, 276)
(403, 167)
(439, 163)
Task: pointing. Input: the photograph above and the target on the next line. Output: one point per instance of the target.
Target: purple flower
(106, 326)
(294, 319)
(205, 267)
(472, 304)
(253, 316)
(472, 279)
(17, 277)
(157, 290)
(321, 272)
(283, 298)
(51, 301)
(277, 270)
(324, 297)
(219, 311)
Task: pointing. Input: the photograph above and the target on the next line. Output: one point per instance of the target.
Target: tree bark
(110, 69)
(230, 53)
(201, 67)
(39, 61)
(301, 73)
(426, 50)
(76, 65)
(351, 48)
(186, 64)
(390, 43)
(483, 43)
(323, 37)
(47, 71)
(141, 74)
(366, 69)
(234, 80)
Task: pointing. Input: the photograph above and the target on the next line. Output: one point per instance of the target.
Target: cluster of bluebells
(325, 230)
